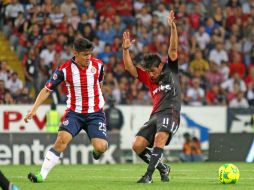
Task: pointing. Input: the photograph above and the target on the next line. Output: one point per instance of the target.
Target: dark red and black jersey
(166, 92)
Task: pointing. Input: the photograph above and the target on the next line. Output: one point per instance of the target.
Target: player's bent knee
(62, 141)
(60, 145)
(139, 144)
(101, 146)
(138, 147)
(160, 139)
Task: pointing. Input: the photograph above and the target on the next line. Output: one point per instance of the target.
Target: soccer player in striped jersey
(83, 76)
(162, 79)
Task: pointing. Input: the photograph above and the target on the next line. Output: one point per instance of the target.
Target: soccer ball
(229, 174)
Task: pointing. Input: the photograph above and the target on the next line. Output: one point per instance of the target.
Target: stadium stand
(216, 52)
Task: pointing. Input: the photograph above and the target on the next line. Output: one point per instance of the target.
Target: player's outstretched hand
(29, 116)
(127, 42)
(171, 17)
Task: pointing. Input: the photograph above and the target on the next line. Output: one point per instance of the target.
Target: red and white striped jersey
(83, 85)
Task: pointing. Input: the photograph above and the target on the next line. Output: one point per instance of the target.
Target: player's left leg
(160, 140)
(96, 130)
(100, 146)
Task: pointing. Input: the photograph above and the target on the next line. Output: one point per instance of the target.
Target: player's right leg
(52, 157)
(68, 129)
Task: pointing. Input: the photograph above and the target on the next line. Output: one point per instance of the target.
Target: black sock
(156, 156)
(146, 156)
(55, 152)
(4, 182)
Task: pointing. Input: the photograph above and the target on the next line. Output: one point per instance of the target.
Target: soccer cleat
(145, 179)
(164, 174)
(96, 156)
(35, 178)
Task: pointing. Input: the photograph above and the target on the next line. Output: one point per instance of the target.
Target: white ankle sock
(50, 160)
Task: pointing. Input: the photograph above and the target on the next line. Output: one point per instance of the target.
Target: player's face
(83, 57)
(155, 72)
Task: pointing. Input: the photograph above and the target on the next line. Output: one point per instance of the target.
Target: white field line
(135, 177)
(172, 170)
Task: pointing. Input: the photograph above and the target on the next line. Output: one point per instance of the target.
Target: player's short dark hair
(82, 44)
(151, 60)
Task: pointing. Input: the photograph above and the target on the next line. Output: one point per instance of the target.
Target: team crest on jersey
(93, 70)
(55, 76)
(66, 122)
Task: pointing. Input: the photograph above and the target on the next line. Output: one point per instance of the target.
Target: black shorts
(166, 121)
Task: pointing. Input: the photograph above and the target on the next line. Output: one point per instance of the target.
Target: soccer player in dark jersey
(82, 76)
(163, 83)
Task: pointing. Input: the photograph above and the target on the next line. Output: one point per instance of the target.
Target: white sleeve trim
(48, 88)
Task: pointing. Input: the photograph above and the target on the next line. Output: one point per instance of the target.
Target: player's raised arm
(172, 50)
(128, 64)
(43, 95)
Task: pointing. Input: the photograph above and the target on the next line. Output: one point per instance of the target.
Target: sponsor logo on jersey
(165, 88)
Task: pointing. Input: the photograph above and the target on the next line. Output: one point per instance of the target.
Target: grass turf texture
(196, 176)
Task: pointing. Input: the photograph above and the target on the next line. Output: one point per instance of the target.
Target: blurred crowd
(216, 46)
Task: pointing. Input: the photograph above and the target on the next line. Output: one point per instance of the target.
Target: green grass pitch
(194, 176)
